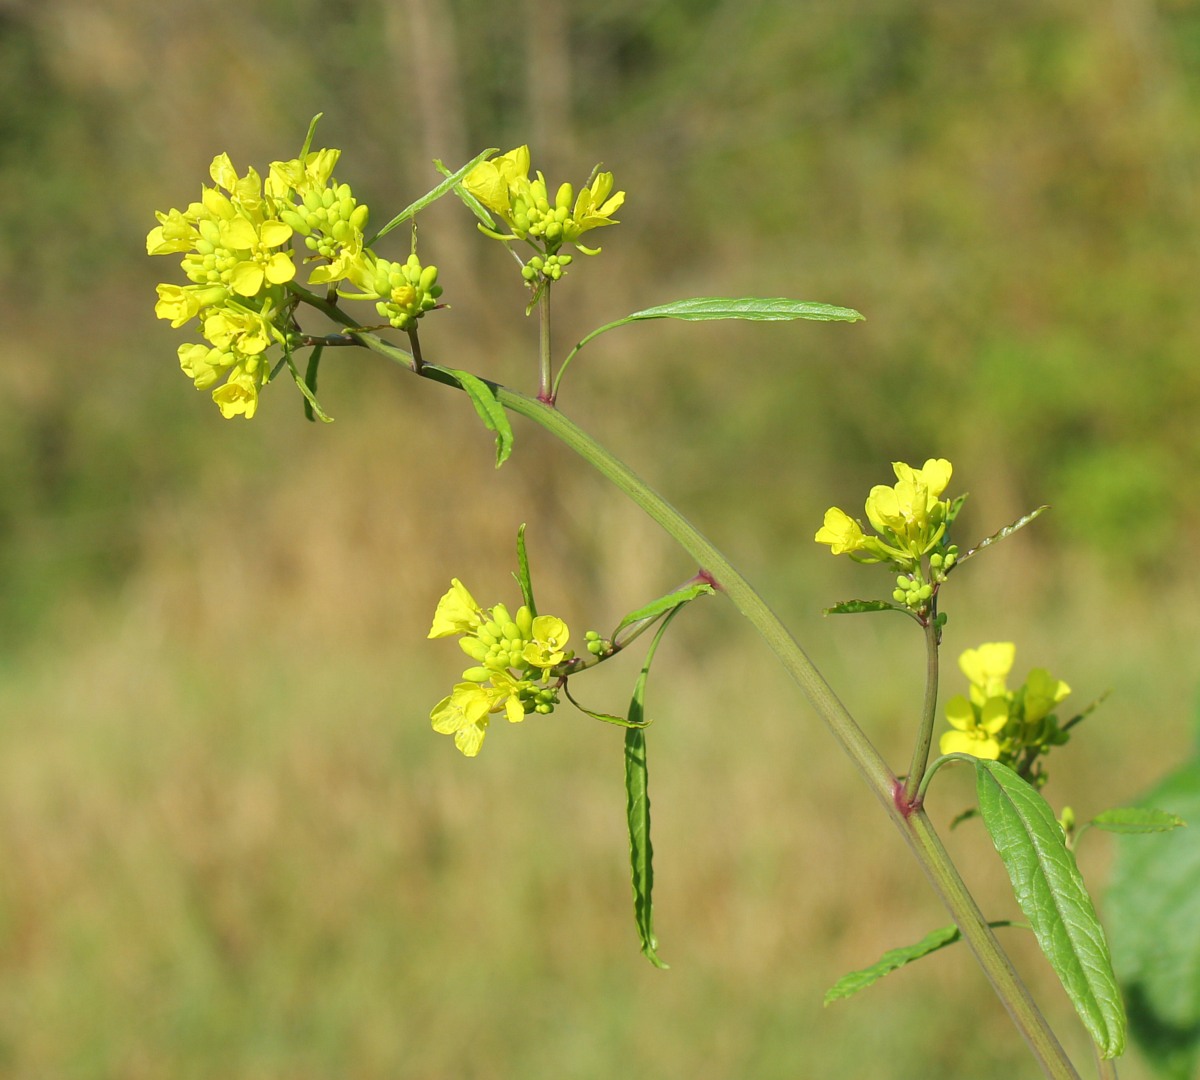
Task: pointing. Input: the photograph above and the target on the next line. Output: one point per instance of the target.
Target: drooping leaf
(894, 959)
(1132, 820)
(1002, 534)
(490, 411)
(522, 574)
(445, 186)
(1050, 891)
(1153, 911)
(637, 808)
(857, 607)
(310, 380)
(608, 718)
(311, 406)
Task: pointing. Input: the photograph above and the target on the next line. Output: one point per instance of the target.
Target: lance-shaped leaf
(1003, 534)
(522, 574)
(1051, 893)
(608, 718)
(490, 411)
(310, 380)
(857, 607)
(312, 408)
(707, 308)
(894, 959)
(1131, 820)
(431, 196)
(637, 808)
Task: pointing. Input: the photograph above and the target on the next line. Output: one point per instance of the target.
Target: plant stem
(912, 821)
(920, 758)
(545, 390)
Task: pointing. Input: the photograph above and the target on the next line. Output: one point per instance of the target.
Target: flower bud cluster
(1014, 727)
(237, 246)
(910, 521)
(503, 186)
(404, 291)
(514, 672)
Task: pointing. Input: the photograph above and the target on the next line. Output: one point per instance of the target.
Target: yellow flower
(987, 669)
(180, 303)
(910, 512)
(239, 395)
(975, 727)
(464, 714)
(1042, 693)
(548, 647)
(235, 327)
(457, 612)
(311, 174)
(841, 532)
(204, 364)
(495, 182)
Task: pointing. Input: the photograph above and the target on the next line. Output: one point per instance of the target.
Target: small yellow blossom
(457, 612)
(975, 729)
(1042, 693)
(548, 647)
(841, 532)
(987, 668)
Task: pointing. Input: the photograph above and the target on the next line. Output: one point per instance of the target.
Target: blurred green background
(229, 844)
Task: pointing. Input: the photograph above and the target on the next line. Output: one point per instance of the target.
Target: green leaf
(312, 130)
(445, 186)
(1132, 820)
(1003, 534)
(522, 574)
(637, 808)
(311, 405)
(664, 604)
(1051, 893)
(310, 380)
(490, 411)
(608, 718)
(889, 962)
(704, 308)
(1153, 911)
(857, 607)
(779, 309)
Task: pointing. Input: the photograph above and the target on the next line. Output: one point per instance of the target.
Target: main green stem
(909, 818)
(920, 757)
(912, 821)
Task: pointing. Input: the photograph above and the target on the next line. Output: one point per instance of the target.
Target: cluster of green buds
(238, 255)
(910, 520)
(404, 291)
(1014, 727)
(544, 221)
(516, 657)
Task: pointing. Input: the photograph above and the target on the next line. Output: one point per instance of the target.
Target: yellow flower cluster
(533, 214)
(515, 657)
(237, 245)
(908, 517)
(993, 722)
